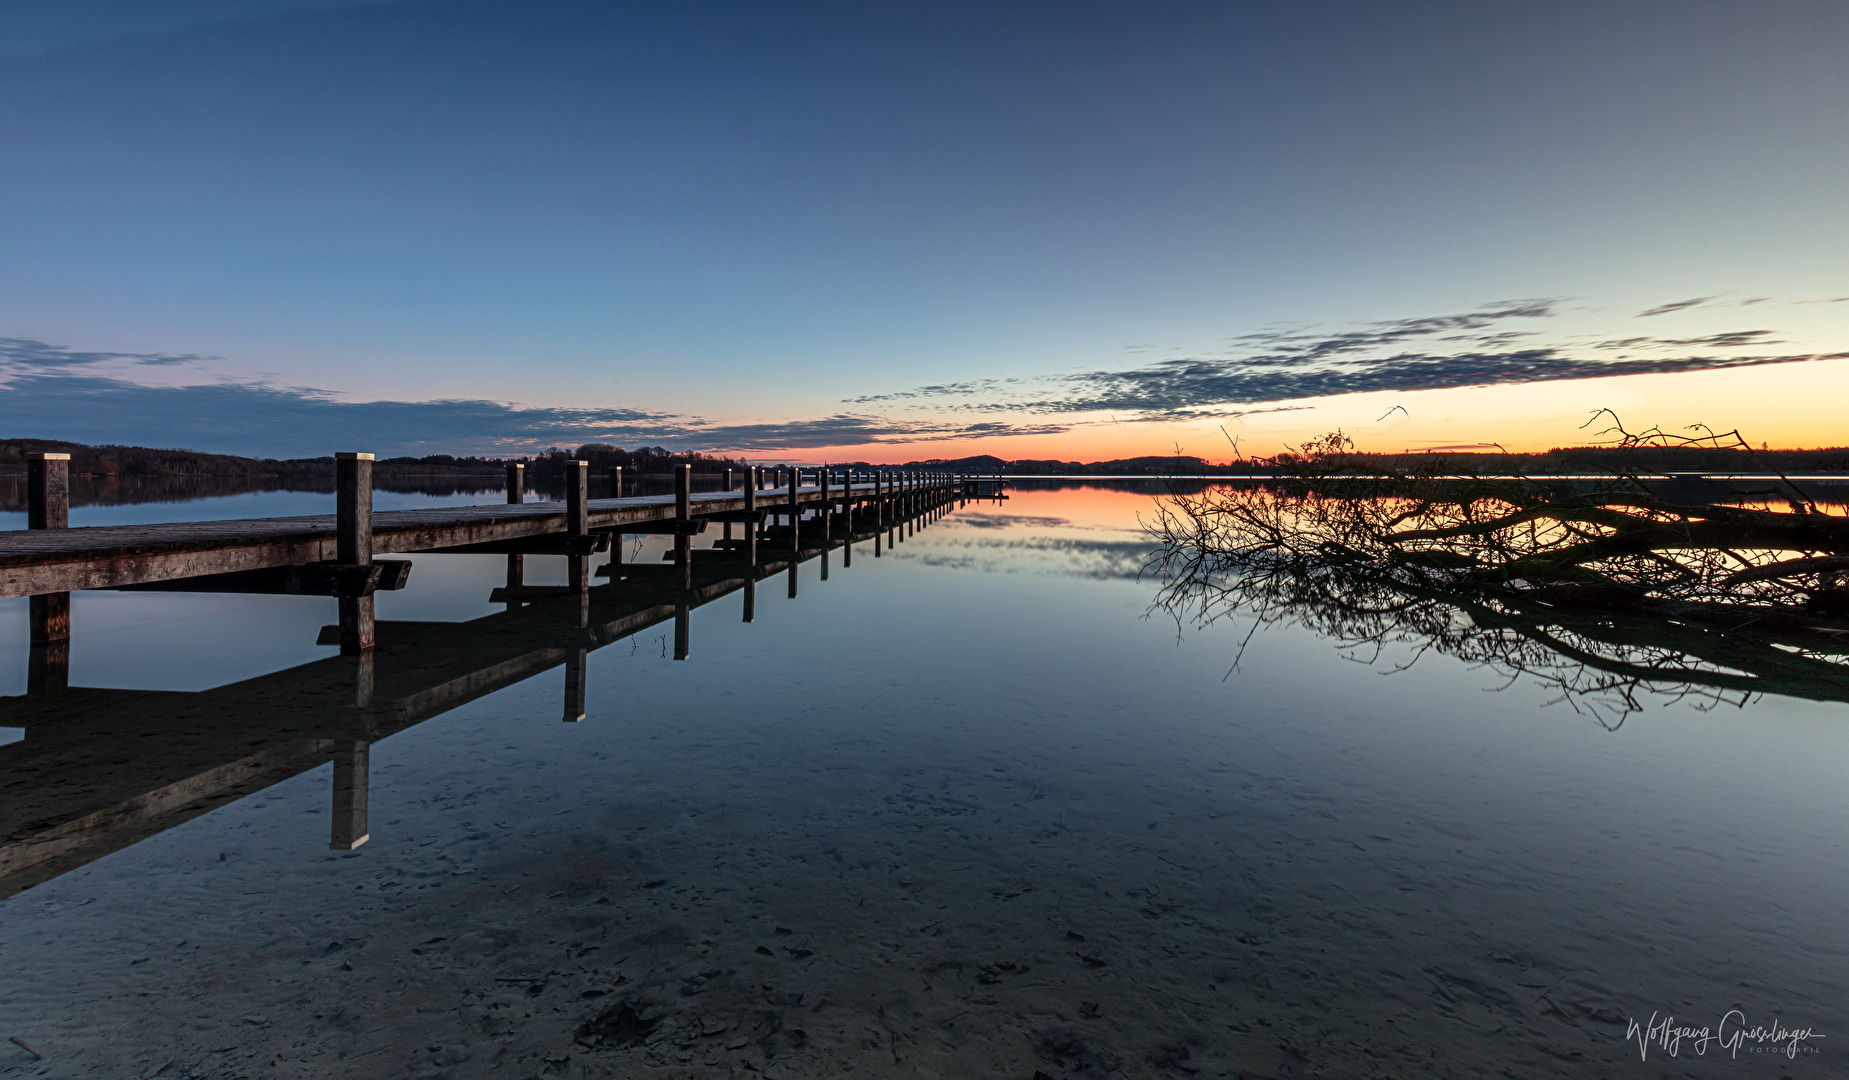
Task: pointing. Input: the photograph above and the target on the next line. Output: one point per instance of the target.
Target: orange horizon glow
(1785, 406)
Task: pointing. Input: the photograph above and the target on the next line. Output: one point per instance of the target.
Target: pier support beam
(353, 544)
(516, 564)
(575, 662)
(578, 520)
(683, 512)
(683, 630)
(48, 668)
(796, 513)
(48, 506)
(728, 487)
(823, 477)
(752, 483)
(616, 542)
(352, 766)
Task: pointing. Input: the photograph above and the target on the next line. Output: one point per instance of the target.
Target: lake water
(968, 809)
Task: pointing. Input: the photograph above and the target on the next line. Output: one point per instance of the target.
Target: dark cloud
(30, 354)
(1432, 353)
(1664, 309)
(938, 390)
(1307, 347)
(1179, 387)
(1731, 339)
(294, 422)
(272, 421)
(848, 430)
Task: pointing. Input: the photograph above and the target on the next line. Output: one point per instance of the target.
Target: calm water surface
(969, 809)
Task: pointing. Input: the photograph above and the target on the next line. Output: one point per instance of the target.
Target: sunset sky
(886, 231)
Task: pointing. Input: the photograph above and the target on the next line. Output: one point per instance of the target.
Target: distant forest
(110, 462)
(1567, 460)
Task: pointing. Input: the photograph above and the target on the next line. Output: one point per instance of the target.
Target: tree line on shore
(112, 461)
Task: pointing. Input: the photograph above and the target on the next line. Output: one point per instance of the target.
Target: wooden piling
(578, 520)
(616, 492)
(795, 521)
(823, 476)
(352, 764)
(752, 482)
(683, 513)
(48, 506)
(683, 629)
(728, 487)
(575, 662)
(48, 666)
(353, 546)
(516, 564)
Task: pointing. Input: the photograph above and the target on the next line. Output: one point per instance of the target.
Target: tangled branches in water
(1607, 589)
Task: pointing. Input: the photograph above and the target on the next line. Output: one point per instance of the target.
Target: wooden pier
(69, 795)
(337, 555)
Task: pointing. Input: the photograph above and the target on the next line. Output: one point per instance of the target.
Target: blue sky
(751, 225)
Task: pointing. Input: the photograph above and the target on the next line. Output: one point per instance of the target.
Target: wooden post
(365, 675)
(751, 597)
(752, 480)
(795, 521)
(683, 629)
(823, 477)
(48, 491)
(48, 667)
(683, 513)
(616, 542)
(352, 764)
(728, 488)
(577, 497)
(48, 506)
(574, 684)
(578, 521)
(353, 546)
(516, 564)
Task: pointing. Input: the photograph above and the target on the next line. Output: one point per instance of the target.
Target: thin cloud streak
(21, 355)
(1464, 350)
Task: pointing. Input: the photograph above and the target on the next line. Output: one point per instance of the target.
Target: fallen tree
(1607, 589)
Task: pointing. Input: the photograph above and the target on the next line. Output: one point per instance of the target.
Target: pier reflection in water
(69, 793)
(968, 811)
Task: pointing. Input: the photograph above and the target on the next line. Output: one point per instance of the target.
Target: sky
(848, 231)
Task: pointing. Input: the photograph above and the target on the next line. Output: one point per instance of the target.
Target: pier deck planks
(41, 561)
